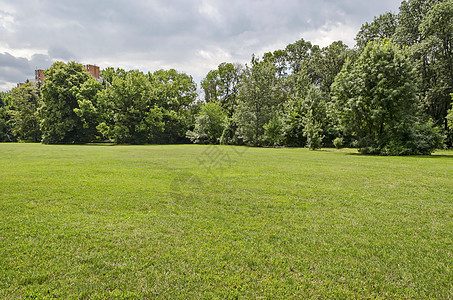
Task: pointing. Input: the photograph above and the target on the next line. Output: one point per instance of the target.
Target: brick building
(39, 76)
(92, 69)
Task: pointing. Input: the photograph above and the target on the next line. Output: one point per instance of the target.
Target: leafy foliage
(382, 27)
(88, 107)
(135, 108)
(450, 116)
(410, 16)
(436, 30)
(327, 63)
(375, 100)
(130, 112)
(209, 124)
(60, 94)
(314, 119)
(273, 132)
(221, 85)
(24, 112)
(260, 95)
(6, 134)
(297, 86)
(175, 93)
(285, 98)
(338, 142)
(425, 27)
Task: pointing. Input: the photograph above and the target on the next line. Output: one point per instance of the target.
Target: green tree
(293, 125)
(298, 55)
(108, 74)
(173, 90)
(260, 98)
(130, 112)
(221, 85)
(6, 134)
(425, 26)
(437, 33)
(59, 122)
(25, 102)
(209, 124)
(281, 60)
(327, 63)
(293, 59)
(375, 100)
(273, 131)
(175, 93)
(382, 27)
(410, 16)
(88, 109)
(314, 118)
(296, 87)
(450, 117)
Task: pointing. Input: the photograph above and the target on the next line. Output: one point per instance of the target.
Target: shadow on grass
(354, 152)
(411, 156)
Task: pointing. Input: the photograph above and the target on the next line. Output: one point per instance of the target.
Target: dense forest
(391, 94)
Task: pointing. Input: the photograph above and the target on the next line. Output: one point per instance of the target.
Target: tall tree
(424, 26)
(221, 85)
(437, 33)
(173, 90)
(59, 122)
(410, 16)
(6, 134)
(25, 102)
(314, 111)
(130, 111)
(260, 97)
(450, 117)
(108, 74)
(383, 26)
(296, 86)
(327, 63)
(175, 93)
(298, 54)
(88, 109)
(375, 101)
(281, 60)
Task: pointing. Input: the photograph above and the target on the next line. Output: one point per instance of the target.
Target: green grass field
(189, 221)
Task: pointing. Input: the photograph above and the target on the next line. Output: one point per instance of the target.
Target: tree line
(389, 95)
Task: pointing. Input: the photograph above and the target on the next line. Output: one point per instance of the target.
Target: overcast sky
(192, 36)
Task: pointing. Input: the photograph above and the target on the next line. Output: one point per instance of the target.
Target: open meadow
(191, 221)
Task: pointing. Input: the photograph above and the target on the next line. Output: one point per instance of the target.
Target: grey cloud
(9, 61)
(18, 69)
(143, 33)
(61, 53)
(13, 69)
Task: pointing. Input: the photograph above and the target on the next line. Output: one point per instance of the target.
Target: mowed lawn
(190, 221)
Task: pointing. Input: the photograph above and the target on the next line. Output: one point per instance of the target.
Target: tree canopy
(390, 94)
(25, 101)
(375, 101)
(60, 94)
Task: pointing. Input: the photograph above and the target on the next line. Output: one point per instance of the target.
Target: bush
(209, 124)
(338, 142)
(273, 132)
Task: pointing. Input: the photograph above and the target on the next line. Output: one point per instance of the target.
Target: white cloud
(6, 86)
(22, 53)
(332, 32)
(208, 9)
(6, 21)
